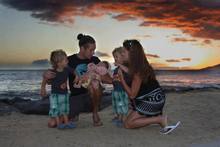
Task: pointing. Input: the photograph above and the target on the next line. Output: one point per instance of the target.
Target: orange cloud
(199, 18)
(207, 41)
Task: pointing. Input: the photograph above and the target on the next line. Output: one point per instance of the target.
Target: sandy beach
(197, 110)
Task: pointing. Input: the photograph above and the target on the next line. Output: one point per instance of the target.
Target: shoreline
(197, 110)
(34, 95)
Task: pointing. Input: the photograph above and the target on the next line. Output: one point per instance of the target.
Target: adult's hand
(116, 64)
(115, 77)
(84, 78)
(63, 86)
(106, 79)
(120, 75)
(76, 79)
(47, 75)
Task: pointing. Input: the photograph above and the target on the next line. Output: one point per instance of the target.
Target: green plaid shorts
(59, 104)
(120, 102)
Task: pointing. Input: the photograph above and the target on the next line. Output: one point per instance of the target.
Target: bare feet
(97, 124)
(96, 121)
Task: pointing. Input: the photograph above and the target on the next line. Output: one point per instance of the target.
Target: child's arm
(122, 67)
(43, 92)
(135, 86)
(107, 79)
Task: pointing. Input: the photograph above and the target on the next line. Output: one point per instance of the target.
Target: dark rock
(6, 109)
(33, 107)
(40, 107)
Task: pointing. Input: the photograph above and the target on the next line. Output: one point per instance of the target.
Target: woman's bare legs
(135, 120)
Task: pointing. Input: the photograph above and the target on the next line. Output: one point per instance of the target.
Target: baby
(93, 75)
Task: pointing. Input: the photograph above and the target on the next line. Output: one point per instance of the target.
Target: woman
(146, 95)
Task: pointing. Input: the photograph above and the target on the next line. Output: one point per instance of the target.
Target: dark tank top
(145, 87)
(148, 87)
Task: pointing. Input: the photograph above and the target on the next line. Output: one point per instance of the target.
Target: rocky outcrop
(40, 107)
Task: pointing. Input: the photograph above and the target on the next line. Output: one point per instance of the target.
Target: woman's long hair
(138, 63)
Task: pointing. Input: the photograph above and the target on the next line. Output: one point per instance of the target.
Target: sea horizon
(45, 67)
(25, 83)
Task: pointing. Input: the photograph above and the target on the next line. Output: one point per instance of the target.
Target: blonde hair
(117, 50)
(56, 57)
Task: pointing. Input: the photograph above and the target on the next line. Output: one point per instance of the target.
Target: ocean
(25, 84)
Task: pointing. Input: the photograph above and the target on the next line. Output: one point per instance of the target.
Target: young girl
(145, 91)
(119, 96)
(59, 98)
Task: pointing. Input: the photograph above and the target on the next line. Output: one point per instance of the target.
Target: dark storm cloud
(199, 18)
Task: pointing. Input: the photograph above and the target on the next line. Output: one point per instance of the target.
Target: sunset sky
(174, 33)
